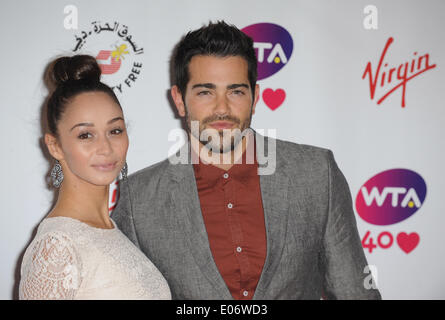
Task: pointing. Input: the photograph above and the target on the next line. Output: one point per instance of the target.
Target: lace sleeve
(51, 270)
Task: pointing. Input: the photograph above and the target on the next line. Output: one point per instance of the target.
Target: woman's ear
(53, 146)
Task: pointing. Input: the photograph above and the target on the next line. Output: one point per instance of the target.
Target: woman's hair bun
(75, 68)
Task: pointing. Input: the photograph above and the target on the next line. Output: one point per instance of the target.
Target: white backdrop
(327, 103)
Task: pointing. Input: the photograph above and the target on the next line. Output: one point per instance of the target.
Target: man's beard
(227, 139)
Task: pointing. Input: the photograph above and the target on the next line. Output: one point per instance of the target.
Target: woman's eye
(84, 136)
(116, 131)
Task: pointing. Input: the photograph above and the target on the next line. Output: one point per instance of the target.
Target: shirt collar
(242, 171)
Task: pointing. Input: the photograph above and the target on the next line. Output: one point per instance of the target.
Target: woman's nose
(104, 146)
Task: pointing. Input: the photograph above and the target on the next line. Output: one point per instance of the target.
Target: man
(215, 225)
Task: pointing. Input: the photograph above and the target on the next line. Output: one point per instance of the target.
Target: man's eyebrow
(212, 86)
(87, 124)
(237, 85)
(204, 85)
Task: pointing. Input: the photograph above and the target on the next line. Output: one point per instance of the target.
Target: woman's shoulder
(57, 224)
(68, 225)
(55, 233)
(51, 261)
(61, 235)
(58, 234)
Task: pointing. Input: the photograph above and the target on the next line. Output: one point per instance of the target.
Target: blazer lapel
(188, 208)
(274, 192)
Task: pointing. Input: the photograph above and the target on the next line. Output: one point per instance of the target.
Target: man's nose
(222, 105)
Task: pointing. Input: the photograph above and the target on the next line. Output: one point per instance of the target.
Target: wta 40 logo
(115, 50)
(273, 47)
(388, 198)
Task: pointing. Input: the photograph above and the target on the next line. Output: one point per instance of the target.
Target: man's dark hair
(216, 39)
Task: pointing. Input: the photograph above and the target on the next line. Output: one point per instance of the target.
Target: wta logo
(273, 46)
(390, 197)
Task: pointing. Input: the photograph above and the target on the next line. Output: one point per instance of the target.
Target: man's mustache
(215, 117)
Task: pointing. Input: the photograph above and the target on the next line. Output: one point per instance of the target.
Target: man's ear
(177, 99)
(256, 97)
(53, 146)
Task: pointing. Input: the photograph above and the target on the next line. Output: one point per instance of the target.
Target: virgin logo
(392, 78)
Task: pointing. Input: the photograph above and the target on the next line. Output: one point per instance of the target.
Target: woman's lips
(105, 167)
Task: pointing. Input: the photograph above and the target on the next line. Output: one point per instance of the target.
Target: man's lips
(219, 125)
(105, 166)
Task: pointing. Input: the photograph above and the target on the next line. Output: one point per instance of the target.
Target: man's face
(219, 96)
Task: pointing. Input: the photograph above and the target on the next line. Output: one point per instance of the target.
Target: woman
(78, 252)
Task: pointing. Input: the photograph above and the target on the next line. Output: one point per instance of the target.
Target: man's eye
(238, 92)
(84, 136)
(203, 93)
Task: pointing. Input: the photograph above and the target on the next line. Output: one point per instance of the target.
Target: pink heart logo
(273, 99)
(408, 242)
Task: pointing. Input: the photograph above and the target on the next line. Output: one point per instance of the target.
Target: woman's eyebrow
(87, 124)
(82, 124)
(115, 119)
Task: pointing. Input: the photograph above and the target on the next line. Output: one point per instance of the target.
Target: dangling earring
(57, 174)
(124, 171)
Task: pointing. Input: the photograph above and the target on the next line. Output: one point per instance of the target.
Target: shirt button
(225, 175)
(245, 293)
(230, 206)
(239, 249)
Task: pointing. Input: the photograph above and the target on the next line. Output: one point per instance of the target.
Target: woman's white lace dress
(69, 259)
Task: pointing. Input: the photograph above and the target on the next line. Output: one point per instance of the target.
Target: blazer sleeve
(344, 258)
(123, 212)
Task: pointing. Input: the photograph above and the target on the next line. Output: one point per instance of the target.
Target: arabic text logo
(116, 53)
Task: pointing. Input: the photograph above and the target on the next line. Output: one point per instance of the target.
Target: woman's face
(93, 139)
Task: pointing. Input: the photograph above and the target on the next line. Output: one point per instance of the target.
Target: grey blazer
(313, 246)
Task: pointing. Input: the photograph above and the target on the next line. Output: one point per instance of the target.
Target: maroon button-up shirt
(233, 214)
